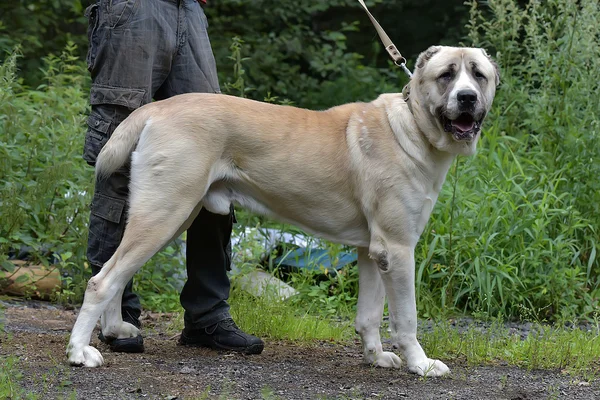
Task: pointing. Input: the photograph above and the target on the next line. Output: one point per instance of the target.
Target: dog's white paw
(429, 367)
(127, 330)
(87, 356)
(386, 359)
(123, 331)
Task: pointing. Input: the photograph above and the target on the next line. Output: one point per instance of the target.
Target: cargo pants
(139, 51)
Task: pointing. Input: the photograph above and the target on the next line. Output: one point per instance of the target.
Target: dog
(360, 174)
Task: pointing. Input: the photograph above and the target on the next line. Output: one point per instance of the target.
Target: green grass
(47, 385)
(548, 346)
(10, 377)
(279, 320)
(285, 320)
(572, 351)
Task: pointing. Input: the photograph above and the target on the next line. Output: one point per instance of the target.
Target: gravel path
(37, 334)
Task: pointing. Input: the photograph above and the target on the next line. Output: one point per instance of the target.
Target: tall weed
(522, 231)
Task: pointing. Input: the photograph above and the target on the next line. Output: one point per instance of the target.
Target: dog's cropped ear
(426, 56)
(495, 65)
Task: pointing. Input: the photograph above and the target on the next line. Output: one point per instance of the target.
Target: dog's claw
(387, 359)
(88, 356)
(430, 368)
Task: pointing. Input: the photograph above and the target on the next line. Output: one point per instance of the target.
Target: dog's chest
(426, 210)
(429, 198)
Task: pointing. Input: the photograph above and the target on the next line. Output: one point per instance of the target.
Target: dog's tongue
(464, 123)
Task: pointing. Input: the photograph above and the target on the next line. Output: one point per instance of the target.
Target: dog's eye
(479, 75)
(445, 76)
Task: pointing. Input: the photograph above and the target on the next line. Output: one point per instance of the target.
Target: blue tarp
(314, 260)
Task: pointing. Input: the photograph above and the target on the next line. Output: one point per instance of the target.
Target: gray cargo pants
(141, 50)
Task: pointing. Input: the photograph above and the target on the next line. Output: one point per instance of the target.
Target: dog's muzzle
(465, 123)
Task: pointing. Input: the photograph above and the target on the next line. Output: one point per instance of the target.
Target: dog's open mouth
(465, 127)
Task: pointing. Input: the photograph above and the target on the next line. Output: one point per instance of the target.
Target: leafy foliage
(41, 27)
(44, 187)
(522, 230)
(289, 41)
(293, 53)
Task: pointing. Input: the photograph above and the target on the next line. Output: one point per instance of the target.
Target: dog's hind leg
(144, 236)
(371, 298)
(113, 326)
(111, 322)
(156, 214)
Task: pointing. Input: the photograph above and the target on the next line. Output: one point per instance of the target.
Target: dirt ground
(37, 334)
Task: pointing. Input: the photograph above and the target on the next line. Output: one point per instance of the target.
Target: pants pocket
(107, 224)
(95, 137)
(91, 13)
(131, 98)
(120, 12)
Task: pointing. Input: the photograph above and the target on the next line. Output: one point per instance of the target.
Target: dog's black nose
(466, 97)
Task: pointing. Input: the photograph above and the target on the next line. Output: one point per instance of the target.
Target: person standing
(141, 51)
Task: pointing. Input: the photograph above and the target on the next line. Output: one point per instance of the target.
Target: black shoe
(125, 345)
(224, 335)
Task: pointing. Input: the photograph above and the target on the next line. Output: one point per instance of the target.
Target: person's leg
(106, 226)
(205, 293)
(129, 56)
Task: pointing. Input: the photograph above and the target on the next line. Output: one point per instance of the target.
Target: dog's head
(450, 93)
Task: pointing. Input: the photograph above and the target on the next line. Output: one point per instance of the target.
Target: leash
(389, 46)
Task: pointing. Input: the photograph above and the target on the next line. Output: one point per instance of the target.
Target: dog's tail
(122, 143)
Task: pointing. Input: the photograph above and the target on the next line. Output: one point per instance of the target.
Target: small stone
(187, 370)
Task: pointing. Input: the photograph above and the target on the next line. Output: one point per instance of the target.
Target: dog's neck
(418, 142)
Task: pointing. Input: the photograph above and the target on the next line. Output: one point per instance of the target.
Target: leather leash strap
(389, 46)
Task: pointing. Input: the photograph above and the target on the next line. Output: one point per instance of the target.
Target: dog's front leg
(371, 298)
(397, 267)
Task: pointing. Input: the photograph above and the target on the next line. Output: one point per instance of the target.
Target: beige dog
(361, 174)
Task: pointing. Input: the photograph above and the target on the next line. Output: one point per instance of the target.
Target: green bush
(41, 27)
(44, 183)
(297, 53)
